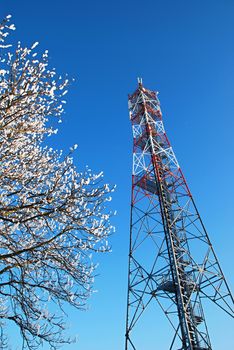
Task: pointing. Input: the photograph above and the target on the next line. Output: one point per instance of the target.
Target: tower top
(139, 80)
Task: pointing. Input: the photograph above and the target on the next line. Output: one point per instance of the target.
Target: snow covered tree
(51, 216)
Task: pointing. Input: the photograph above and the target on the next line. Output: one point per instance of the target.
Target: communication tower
(171, 259)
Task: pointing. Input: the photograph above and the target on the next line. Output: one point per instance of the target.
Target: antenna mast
(171, 260)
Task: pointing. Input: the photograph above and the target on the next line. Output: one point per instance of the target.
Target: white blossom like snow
(51, 216)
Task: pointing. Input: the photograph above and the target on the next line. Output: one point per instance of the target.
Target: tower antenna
(171, 260)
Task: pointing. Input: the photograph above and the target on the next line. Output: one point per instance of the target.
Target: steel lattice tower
(171, 259)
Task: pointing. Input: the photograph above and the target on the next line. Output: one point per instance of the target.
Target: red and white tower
(171, 260)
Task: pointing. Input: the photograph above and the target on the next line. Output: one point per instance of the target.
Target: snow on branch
(51, 216)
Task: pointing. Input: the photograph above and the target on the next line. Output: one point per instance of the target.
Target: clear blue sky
(184, 49)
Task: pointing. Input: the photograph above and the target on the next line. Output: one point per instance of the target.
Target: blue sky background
(185, 50)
